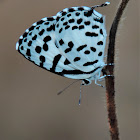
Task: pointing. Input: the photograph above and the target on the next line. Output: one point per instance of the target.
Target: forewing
(37, 44)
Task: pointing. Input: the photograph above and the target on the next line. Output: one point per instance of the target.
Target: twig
(109, 70)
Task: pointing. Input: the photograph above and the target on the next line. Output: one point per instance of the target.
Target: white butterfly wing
(70, 44)
(81, 38)
(37, 44)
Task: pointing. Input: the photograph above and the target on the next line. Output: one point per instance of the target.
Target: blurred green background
(29, 106)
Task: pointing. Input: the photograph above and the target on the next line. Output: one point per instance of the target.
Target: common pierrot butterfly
(70, 44)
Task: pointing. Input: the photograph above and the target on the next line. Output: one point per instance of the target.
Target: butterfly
(70, 44)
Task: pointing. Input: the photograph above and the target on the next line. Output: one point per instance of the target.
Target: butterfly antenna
(102, 5)
(67, 87)
(80, 93)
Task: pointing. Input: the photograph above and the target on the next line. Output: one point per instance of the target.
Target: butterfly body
(70, 44)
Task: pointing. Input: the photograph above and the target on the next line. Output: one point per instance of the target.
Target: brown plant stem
(109, 70)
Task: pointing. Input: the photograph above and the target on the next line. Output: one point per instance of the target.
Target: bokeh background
(29, 106)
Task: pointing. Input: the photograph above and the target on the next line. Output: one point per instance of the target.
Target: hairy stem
(109, 70)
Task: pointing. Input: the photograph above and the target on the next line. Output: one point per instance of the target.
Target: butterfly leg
(101, 78)
(96, 79)
(98, 84)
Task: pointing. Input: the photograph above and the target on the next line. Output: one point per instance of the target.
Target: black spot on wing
(66, 62)
(46, 23)
(50, 18)
(100, 43)
(76, 59)
(42, 60)
(100, 53)
(40, 22)
(79, 21)
(20, 41)
(99, 20)
(47, 38)
(90, 63)
(30, 33)
(31, 28)
(80, 8)
(28, 53)
(91, 34)
(25, 40)
(55, 62)
(68, 15)
(57, 25)
(81, 47)
(25, 34)
(30, 43)
(64, 13)
(61, 42)
(74, 27)
(70, 44)
(71, 20)
(87, 52)
(41, 32)
(95, 27)
(34, 37)
(37, 27)
(62, 18)
(65, 23)
(22, 48)
(71, 10)
(77, 13)
(57, 18)
(81, 27)
(93, 49)
(101, 31)
(87, 22)
(38, 49)
(45, 47)
(88, 13)
(60, 30)
(52, 27)
(67, 27)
